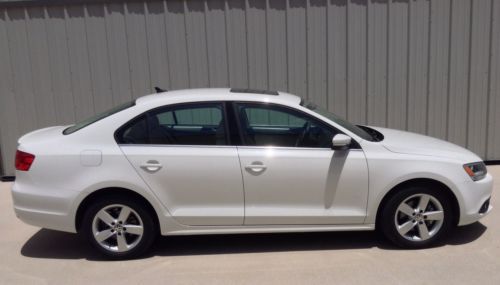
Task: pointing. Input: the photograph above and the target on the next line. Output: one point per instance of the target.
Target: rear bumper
(37, 207)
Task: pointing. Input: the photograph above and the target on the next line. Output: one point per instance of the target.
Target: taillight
(24, 160)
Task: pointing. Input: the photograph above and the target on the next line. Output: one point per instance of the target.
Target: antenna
(159, 90)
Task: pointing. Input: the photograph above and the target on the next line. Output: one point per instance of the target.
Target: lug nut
(425, 217)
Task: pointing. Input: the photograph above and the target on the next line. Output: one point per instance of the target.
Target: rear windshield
(95, 118)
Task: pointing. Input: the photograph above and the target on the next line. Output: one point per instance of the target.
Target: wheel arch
(425, 182)
(89, 199)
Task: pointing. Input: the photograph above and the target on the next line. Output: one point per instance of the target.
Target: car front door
(290, 173)
(182, 153)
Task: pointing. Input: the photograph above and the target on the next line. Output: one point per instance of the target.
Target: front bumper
(475, 195)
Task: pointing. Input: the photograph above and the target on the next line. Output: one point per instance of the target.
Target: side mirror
(341, 142)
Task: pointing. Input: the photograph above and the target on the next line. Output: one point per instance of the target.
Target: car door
(290, 173)
(182, 153)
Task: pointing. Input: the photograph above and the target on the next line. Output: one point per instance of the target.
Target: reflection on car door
(292, 176)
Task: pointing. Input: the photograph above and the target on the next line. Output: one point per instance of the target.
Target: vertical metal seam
(52, 93)
(125, 13)
(327, 69)
(85, 12)
(428, 83)
(205, 9)
(287, 10)
(146, 15)
(228, 65)
(66, 16)
(488, 97)
(367, 54)
(266, 14)
(105, 8)
(448, 85)
(169, 77)
(184, 6)
(347, 60)
(387, 67)
(408, 53)
(30, 60)
(469, 74)
(247, 5)
(307, 49)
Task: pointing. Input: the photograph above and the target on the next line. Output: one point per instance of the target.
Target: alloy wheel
(419, 217)
(117, 228)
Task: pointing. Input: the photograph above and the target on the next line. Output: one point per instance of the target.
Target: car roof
(219, 94)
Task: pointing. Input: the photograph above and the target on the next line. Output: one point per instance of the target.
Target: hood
(412, 143)
(42, 135)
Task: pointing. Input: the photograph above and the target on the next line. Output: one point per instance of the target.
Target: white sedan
(219, 161)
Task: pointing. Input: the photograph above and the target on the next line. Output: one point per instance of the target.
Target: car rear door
(291, 175)
(182, 153)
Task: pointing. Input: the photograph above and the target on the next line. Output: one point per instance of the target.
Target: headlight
(476, 170)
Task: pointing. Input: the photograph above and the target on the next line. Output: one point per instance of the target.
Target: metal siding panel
(297, 47)
(493, 142)
(478, 88)
(356, 51)
(236, 43)
(217, 43)
(137, 42)
(418, 65)
(8, 117)
(157, 44)
(21, 68)
(438, 68)
(459, 72)
(39, 60)
(377, 63)
(59, 65)
(257, 44)
(277, 44)
(98, 56)
(316, 52)
(397, 64)
(118, 53)
(176, 44)
(337, 57)
(79, 62)
(197, 44)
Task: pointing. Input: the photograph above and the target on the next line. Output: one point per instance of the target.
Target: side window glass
(271, 125)
(190, 124)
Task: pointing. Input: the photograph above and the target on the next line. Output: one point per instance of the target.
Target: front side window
(187, 124)
(272, 125)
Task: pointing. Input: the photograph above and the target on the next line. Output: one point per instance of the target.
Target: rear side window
(187, 124)
(93, 119)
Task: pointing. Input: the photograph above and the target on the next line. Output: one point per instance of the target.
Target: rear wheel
(119, 227)
(417, 217)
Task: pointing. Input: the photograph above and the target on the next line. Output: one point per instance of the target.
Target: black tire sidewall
(389, 211)
(149, 234)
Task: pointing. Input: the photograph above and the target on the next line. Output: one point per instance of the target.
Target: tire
(119, 227)
(416, 226)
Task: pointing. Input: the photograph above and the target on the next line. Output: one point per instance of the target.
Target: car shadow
(59, 245)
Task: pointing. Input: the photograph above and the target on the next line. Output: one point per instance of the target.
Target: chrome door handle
(151, 166)
(256, 168)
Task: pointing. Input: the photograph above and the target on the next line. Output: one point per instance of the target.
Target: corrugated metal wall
(425, 66)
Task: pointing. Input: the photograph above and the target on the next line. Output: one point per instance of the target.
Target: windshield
(345, 124)
(97, 117)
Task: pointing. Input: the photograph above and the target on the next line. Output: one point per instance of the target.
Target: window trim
(234, 104)
(157, 109)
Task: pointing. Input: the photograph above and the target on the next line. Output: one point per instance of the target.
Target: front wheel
(118, 227)
(417, 217)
